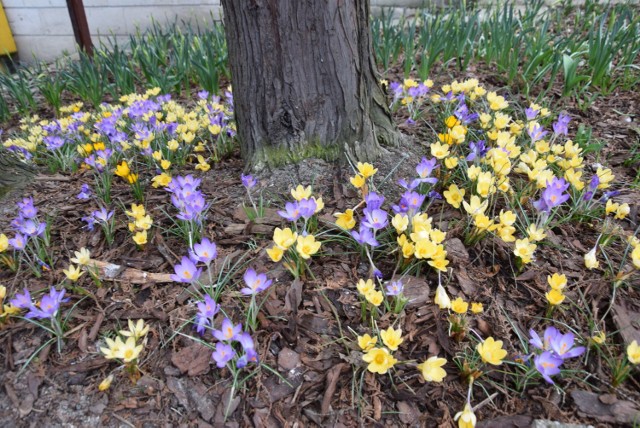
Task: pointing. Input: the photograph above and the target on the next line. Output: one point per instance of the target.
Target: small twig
(484, 402)
(123, 420)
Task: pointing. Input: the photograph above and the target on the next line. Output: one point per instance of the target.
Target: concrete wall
(42, 28)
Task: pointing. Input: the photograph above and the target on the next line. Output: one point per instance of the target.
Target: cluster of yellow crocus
(123, 171)
(82, 259)
(424, 242)
(368, 290)
(619, 210)
(127, 347)
(140, 224)
(557, 283)
(460, 306)
(380, 359)
(285, 239)
(359, 181)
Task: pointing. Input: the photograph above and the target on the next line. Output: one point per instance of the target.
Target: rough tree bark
(304, 80)
(13, 172)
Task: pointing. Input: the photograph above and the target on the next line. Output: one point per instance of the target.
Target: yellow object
(7, 44)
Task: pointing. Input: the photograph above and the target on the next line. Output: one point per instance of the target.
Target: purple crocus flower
(374, 201)
(204, 252)
(608, 195)
(85, 192)
(434, 195)
(186, 271)
(18, 242)
(394, 288)
(32, 228)
(536, 132)
(413, 92)
(206, 311)
(561, 126)
(547, 364)
(375, 219)
(255, 282)
(102, 215)
(223, 354)
(409, 186)
(291, 211)
(90, 221)
(22, 301)
(426, 167)
(553, 195)
(307, 208)
(448, 96)
(531, 113)
(53, 142)
(463, 113)
(250, 356)
(396, 89)
(27, 209)
(562, 346)
(246, 341)
(49, 305)
(203, 95)
(413, 200)
(591, 189)
(248, 181)
(545, 343)
(478, 150)
(365, 236)
(227, 331)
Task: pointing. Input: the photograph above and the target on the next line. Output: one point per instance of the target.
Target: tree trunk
(14, 172)
(304, 81)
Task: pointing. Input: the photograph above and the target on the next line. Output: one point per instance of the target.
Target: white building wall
(42, 28)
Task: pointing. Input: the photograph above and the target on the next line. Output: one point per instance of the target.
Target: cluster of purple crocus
(553, 195)
(26, 224)
(187, 270)
(206, 311)
(477, 150)
(411, 201)
(374, 219)
(107, 127)
(187, 198)
(47, 308)
(424, 170)
(57, 136)
(462, 112)
(304, 208)
(556, 348)
(225, 352)
(561, 125)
